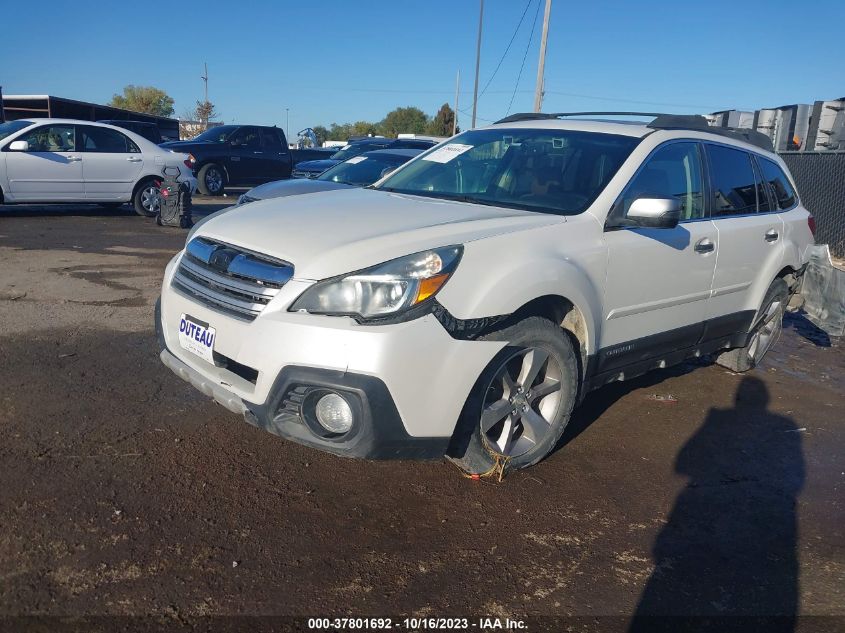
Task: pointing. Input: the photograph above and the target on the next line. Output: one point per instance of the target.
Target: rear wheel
(768, 325)
(521, 403)
(146, 201)
(211, 180)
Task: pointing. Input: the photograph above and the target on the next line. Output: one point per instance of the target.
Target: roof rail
(660, 121)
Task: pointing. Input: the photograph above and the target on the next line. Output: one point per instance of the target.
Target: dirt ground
(692, 491)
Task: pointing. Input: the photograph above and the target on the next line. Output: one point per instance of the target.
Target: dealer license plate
(197, 337)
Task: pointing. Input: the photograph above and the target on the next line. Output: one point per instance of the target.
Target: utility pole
(540, 90)
(287, 125)
(205, 103)
(3, 114)
(477, 63)
(457, 94)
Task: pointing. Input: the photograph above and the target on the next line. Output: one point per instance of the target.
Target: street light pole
(287, 124)
(457, 95)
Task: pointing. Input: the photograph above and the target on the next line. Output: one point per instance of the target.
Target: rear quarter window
(777, 182)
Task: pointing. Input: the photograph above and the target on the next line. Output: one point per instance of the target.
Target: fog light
(333, 413)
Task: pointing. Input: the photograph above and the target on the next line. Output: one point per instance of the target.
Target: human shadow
(726, 559)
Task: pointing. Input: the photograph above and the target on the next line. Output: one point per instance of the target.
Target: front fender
(485, 286)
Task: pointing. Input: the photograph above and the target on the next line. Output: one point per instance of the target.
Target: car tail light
(190, 161)
(811, 222)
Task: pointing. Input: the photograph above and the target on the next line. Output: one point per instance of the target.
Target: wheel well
(141, 182)
(566, 314)
(220, 164)
(788, 275)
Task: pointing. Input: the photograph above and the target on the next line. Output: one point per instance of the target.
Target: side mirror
(18, 146)
(655, 213)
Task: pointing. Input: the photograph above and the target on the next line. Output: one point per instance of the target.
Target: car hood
(316, 165)
(295, 187)
(336, 232)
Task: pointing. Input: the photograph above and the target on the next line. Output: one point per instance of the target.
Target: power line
(513, 37)
(522, 66)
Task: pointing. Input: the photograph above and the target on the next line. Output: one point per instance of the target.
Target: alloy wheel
(521, 401)
(767, 331)
(150, 198)
(213, 181)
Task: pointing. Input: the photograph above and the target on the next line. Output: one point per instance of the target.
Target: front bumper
(409, 381)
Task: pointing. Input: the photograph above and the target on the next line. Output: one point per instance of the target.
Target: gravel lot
(125, 492)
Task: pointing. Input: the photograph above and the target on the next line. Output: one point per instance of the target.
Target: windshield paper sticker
(356, 159)
(447, 153)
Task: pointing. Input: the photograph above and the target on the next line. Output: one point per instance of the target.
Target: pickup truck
(241, 156)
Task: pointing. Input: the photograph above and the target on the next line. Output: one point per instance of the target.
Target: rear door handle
(73, 159)
(134, 159)
(705, 245)
(771, 235)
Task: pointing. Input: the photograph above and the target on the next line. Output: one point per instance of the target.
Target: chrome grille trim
(229, 279)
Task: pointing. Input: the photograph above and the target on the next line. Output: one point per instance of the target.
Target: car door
(750, 235)
(245, 161)
(112, 163)
(275, 157)
(658, 280)
(50, 170)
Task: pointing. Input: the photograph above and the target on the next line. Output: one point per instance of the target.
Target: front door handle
(705, 245)
(771, 235)
(73, 159)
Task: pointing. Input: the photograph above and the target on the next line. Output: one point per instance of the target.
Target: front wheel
(767, 327)
(521, 403)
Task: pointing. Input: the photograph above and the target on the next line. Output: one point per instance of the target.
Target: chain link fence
(820, 178)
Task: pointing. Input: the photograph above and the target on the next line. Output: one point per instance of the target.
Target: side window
(102, 140)
(673, 171)
(247, 137)
(732, 178)
(51, 138)
(271, 141)
(778, 184)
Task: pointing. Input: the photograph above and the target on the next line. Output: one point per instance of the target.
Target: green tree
(441, 124)
(322, 134)
(408, 120)
(145, 99)
(363, 128)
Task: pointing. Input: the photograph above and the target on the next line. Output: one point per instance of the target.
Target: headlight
(383, 290)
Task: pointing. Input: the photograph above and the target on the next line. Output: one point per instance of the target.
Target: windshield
(549, 171)
(354, 149)
(361, 170)
(219, 134)
(10, 127)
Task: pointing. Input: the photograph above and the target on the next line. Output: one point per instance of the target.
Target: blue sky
(343, 60)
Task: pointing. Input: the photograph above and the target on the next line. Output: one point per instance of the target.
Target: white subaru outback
(465, 303)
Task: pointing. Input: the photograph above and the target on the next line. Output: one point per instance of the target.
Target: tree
(322, 134)
(205, 112)
(408, 120)
(363, 128)
(144, 99)
(442, 123)
(193, 122)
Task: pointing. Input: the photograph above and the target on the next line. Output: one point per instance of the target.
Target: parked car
(358, 171)
(236, 156)
(64, 160)
(467, 302)
(146, 129)
(313, 168)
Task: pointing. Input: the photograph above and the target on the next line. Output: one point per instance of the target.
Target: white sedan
(68, 161)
